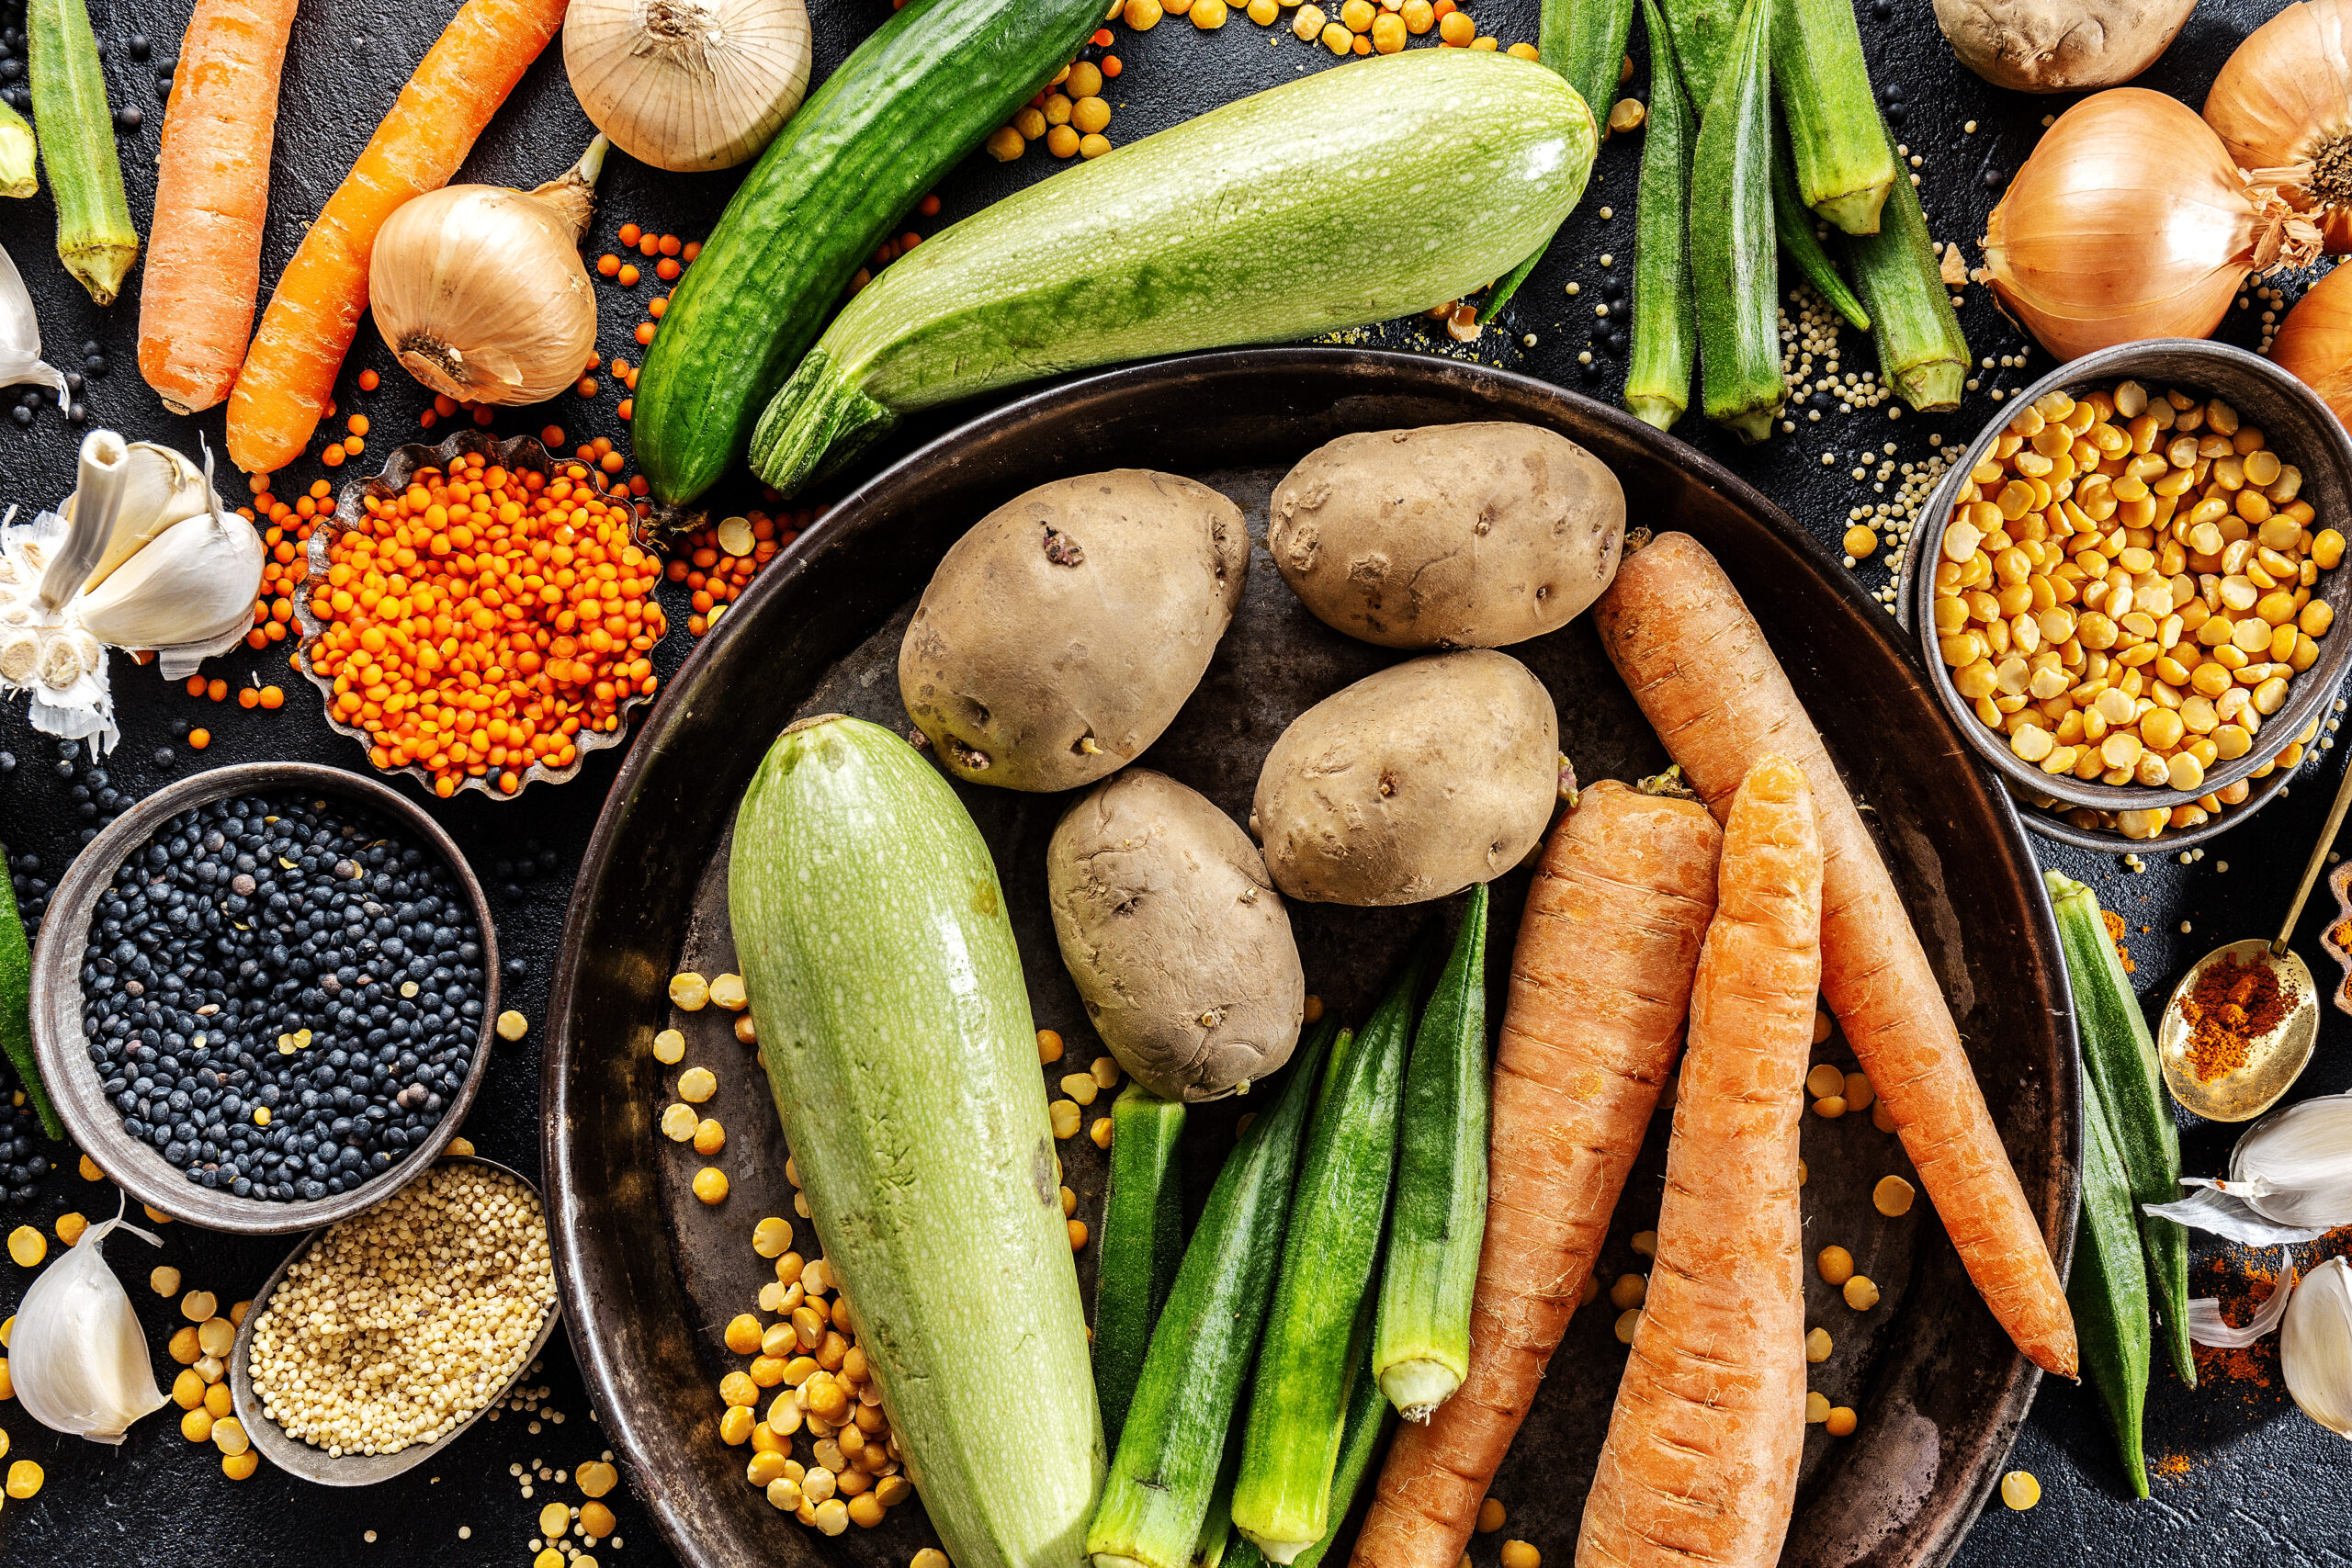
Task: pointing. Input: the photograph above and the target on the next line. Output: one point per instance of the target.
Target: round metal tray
(649, 1275)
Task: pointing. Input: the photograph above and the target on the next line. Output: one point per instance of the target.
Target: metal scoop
(2275, 1059)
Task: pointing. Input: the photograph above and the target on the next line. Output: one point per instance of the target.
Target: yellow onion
(2283, 108)
(2314, 343)
(2130, 221)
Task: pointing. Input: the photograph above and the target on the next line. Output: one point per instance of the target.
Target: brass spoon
(2273, 1060)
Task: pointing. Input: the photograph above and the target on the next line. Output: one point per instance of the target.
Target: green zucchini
(1793, 221)
(1844, 166)
(95, 239)
(2121, 1056)
(1298, 1397)
(1181, 1424)
(1584, 41)
(1734, 276)
(1666, 338)
(895, 1033)
(1421, 1348)
(16, 1005)
(1370, 1416)
(2109, 1289)
(1248, 224)
(1922, 353)
(910, 102)
(18, 175)
(1143, 1241)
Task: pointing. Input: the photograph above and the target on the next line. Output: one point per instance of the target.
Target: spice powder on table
(2231, 1005)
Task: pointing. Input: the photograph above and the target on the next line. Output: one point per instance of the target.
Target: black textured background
(2242, 1477)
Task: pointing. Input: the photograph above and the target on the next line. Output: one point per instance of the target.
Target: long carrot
(1599, 985)
(1698, 664)
(1701, 1463)
(314, 312)
(196, 306)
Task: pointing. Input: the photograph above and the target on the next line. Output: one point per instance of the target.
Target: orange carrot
(1598, 987)
(1698, 664)
(196, 306)
(314, 314)
(1701, 1463)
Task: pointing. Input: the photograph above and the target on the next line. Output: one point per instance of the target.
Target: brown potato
(1412, 784)
(1180, 947)
(1451, 536)
(1060, 634)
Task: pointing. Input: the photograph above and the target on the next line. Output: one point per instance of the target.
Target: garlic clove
(76, 1355)
(2295, 1164)
(193, 584)
(20, 359)
(2315, 1346)
(103, 467)
(159, 488)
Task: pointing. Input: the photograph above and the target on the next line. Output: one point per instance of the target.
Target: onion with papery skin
(2283, 104)
(688, 84)
(479, 290)
(2314, 343)
(2129, 222)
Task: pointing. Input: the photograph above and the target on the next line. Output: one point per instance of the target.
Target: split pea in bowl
(2202, 489)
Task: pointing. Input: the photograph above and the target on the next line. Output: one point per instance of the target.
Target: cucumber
(1143, 1242)
(1843, 167)
(2120, 1057)
(1298, 1398)
(910, 102)
(1420, 1348)
(1181, 1424)
(1735, 274)
(16, 1006)
(1922, 353)
(2109, 1289)
(1666, 339)
(894, 1029)
(1793, 221)
(1248, 224)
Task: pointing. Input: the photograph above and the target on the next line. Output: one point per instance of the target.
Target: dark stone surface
(2243, 1477)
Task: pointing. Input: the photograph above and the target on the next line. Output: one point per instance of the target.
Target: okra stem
(17, 155)
(95, 238)
(1793, 220)
(1666, 338)
(1734, 265)
(1921, 351)
(1843, 167)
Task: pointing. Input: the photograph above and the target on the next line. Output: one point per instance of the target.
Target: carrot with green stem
(1700, 1462)
(1697, 663)
(195, 305)
(314, 312)
(1599, 985)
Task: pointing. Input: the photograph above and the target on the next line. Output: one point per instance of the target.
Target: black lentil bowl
(395, 981)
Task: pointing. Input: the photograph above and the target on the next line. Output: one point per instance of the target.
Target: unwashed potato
(1060, 634)
(1451, 536)
(2059, 46)
(1180, 946)
(1412, 784)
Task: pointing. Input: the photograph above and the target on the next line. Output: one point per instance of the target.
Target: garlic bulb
(481, 292)
(2290, 1180)
(76, 1355)
(2315, 1346)
(688, 86)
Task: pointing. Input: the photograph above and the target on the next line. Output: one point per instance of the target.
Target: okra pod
(1666, 338)
(1584, 42)
(1143, 1243)
(1793, 220)
(1298, 1396)
(1922, 353)
(1420, 1346)
(1843, 167)
(2109, 1289)
(2121, 1057)
(1703, 33)
(1164, 1475)
(17, 176)
(1735, 271)
(1370, 1416)
(95, 238)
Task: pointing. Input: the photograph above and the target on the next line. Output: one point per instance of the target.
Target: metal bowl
(2300, 427)
(522, 452)
(2051, 823)
(63, 1051)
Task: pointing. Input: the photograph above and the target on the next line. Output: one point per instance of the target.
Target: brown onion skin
(2314, 343)
(2286, 93)
(2070, 257)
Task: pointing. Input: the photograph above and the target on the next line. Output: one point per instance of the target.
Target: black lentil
(279, 954)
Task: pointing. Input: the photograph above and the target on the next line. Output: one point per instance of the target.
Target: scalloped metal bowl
(522, 452)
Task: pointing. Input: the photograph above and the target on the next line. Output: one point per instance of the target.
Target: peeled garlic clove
(2315, 1346)
(76, 1355)
(192, 585)
(160, 487)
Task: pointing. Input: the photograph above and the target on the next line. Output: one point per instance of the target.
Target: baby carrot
(1684, 642)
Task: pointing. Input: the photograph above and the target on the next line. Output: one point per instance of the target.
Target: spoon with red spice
(2241, 1023)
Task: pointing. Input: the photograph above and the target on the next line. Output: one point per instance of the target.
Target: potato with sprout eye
(1180, 946)
(1059, 636)
(2059, 46)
